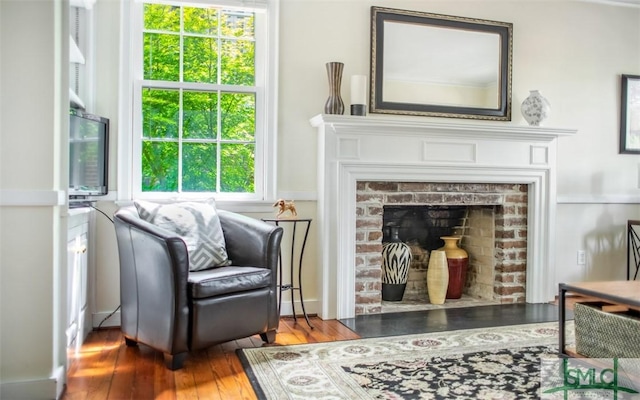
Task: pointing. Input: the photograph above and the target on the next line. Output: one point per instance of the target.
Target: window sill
(235, 206)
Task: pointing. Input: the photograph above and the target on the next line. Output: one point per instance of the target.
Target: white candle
(359, 89)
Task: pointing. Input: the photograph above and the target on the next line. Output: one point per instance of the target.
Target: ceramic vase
(334, 104)
(396, 260)
(458, 263)
(535, 108)
(437, 277)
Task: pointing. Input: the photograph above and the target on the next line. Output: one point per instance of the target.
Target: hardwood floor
(105, 368)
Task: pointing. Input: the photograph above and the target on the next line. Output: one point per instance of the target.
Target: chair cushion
(226, 280)
(197, 223)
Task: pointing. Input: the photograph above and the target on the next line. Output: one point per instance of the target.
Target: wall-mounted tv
(88, 154)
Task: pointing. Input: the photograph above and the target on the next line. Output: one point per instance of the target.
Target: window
(202, 115)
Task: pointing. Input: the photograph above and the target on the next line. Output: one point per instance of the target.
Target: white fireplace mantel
(352, 148)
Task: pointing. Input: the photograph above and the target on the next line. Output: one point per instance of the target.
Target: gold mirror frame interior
(440, 65)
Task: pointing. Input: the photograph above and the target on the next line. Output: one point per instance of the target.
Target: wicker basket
(601, 334)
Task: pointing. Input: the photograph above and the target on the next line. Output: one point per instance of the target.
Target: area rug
(488, 363)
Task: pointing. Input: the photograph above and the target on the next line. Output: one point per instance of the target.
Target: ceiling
(622, 2)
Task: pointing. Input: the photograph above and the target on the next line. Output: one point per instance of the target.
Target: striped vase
(396, 259)
(334, 104)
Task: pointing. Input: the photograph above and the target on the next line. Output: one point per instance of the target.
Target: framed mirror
(630, 115)
(440, 65)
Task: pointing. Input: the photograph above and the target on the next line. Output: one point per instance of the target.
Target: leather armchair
(176, 311)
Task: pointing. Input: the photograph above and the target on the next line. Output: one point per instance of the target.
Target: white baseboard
(35, 389)
(60, 376)
(110, 322)
(311, 306)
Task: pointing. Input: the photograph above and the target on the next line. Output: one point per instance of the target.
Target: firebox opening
(421, 228)
(490, 218)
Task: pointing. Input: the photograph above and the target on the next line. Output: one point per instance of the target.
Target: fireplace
(416, 151)
(490, 218)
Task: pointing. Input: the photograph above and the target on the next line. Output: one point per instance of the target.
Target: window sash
(129, 185)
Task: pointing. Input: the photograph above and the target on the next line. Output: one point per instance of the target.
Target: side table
(293, 223)
(633, 249)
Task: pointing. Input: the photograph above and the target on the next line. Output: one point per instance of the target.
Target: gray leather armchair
(176, 311)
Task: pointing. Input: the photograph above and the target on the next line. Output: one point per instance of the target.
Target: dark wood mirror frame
(378, 103)
(629, 114)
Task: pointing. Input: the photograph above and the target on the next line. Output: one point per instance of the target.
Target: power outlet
(582, 257)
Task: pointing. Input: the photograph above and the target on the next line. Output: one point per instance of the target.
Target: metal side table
(293, 223)
(633, 249)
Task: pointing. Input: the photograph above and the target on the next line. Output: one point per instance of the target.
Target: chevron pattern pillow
(197, 223)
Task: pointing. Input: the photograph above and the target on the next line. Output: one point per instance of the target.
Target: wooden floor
(105, 368)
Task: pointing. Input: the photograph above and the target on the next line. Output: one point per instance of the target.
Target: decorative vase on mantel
(458, 263)
(535, 108)
(437, 277)
(396, 260)
(334, 104)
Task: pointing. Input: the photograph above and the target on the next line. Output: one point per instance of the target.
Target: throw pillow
(197, 223)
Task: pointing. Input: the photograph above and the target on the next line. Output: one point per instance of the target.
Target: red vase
(458, 262)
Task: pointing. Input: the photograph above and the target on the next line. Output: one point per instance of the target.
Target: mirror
(440, 65)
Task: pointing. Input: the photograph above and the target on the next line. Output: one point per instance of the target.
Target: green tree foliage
(204, 139)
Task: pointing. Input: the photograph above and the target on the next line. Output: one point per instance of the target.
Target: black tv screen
(88, 154)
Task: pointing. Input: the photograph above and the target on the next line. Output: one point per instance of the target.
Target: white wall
(34, 87)
(572, 51)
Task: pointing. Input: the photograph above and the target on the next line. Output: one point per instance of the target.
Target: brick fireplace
(402, 151)
(494, 234)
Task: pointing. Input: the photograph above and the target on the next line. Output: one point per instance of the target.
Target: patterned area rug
(489, 363)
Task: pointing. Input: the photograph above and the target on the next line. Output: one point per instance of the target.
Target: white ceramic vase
(535, 108)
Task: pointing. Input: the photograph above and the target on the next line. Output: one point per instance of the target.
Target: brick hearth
(497, 271)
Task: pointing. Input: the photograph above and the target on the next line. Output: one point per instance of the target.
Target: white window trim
(266, 160)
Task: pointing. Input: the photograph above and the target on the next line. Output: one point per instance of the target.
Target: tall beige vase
(437, 277)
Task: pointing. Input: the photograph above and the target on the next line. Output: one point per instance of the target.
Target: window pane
(238, 113)
(200, 59)
(159, 166)
(199, 167)
(200, 119)
(237, 62)
(201, 20)
(161, 57)
(238, 168)
(162, 17)
(160, 112)
(238, 24)
(198, 138)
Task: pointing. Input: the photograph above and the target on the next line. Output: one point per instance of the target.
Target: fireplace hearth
(352, 150)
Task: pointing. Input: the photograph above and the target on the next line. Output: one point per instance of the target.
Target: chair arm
(154, 267)
(250, 241)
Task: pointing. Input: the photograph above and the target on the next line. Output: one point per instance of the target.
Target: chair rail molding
(598, 199)
(30, 197)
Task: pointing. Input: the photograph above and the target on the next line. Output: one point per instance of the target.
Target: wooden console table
(626, 293)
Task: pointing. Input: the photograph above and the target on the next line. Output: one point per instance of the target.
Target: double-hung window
(202, 120)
